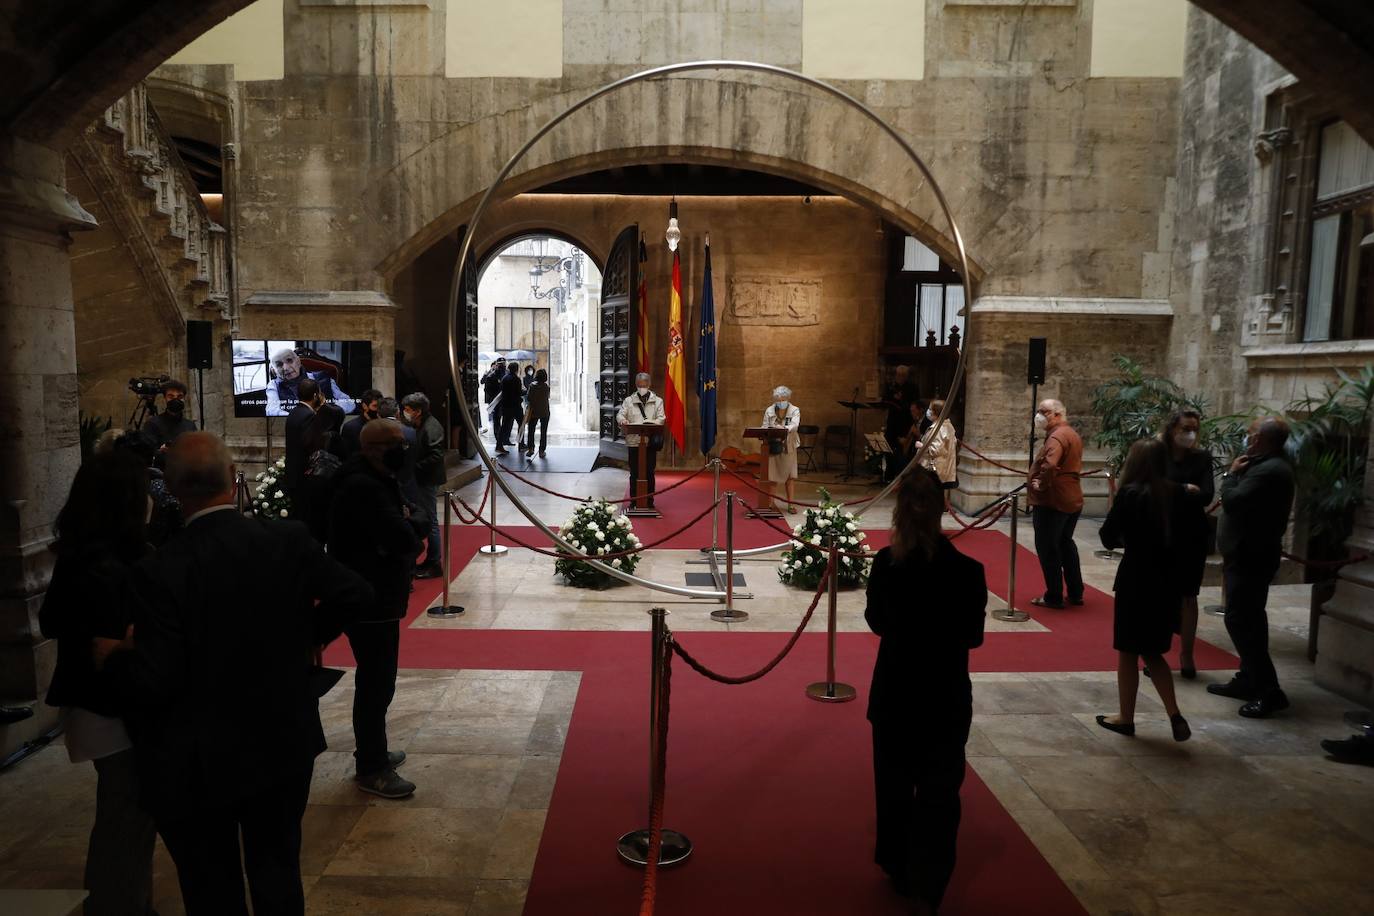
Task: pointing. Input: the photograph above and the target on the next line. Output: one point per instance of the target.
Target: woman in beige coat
(941, 453)
(782, 468)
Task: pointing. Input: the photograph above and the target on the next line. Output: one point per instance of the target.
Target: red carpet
(774, 789)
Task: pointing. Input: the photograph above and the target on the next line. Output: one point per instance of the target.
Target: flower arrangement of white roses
(271, 501)
(595, 528)
(803, 563)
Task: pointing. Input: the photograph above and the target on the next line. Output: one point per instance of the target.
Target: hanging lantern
(674, 234)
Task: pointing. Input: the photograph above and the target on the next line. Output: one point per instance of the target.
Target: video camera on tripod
(146, 388)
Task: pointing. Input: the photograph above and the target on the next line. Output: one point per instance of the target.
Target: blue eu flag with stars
(706, 360)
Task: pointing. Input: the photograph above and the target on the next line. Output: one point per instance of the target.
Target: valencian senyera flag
(675, 385)
(642, 344)
(706, 360)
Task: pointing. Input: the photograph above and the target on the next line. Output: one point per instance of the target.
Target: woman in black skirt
(1190, 468)
(1147, 584)
(926, 600)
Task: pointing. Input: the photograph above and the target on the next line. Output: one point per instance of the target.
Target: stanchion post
(493, 549)
(1010, 614)
(240, 491)
(633, 847)
(715, 513)
(828, 690)
(728, 614)
(444, 608)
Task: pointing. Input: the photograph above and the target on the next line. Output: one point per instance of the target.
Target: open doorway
(537, 299)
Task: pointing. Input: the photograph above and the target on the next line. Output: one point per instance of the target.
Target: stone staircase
(153, 204)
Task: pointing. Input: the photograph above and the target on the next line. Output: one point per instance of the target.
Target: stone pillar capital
(32, 195)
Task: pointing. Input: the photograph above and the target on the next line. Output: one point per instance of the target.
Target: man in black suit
(296, 423)
(217, 677)
(374, 530)
(512, 406)
(1256, 497)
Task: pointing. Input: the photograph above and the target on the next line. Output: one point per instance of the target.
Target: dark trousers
(1246, 591)
(205, 845)
(1057, 551)
(119, 860)
(650, 459)
(543, 424)
(508, 419)
(916, 782)
(376, 648)
(434, 550)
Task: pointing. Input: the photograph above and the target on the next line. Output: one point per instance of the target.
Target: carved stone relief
(775, 301)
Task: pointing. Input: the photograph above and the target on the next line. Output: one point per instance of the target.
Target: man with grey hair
(1056, 499)
(430, 474)
(218, 676)
(642, 406)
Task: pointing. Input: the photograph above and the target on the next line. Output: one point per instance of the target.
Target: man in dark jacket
(491, 391)
(1256, 497)
(389, 409)
(374, 531)
(512, 406)
(297, 422)
(430, 474)
(349, 443)
(217, 675)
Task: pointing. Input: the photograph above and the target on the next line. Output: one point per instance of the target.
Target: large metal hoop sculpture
(455, 289)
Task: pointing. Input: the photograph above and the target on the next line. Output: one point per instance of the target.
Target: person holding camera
(163, 429)
(782, 453)
(642, 406)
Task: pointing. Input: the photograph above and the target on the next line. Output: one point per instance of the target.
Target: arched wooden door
(618, 327)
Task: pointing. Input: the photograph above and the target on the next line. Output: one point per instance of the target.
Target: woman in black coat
(1190, 468)
(322, 444)
(1147, 584)
(926, 600)
(100, 537)
(538, 397)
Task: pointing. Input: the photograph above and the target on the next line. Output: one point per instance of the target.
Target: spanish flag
(675, 386)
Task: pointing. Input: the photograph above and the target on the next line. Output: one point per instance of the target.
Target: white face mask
(930, 415)
(1186, 439)
(643, 391)
(1041, 421)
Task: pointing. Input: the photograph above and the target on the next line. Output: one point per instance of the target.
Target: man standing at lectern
(642, 406)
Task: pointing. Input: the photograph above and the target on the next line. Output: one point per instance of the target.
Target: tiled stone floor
(1246, 818)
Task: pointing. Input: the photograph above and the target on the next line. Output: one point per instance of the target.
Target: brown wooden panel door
(619, 314)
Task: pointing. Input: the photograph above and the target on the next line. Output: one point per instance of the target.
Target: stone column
(39, 439)
(1345, 639)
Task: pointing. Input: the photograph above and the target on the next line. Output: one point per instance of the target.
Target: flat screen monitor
(268, 373)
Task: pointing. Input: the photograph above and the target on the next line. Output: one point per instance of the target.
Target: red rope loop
(795, 502)
(486, 492)
(543, 489)
(560, 554)
(660, 787)
(701, 669)
(978, 524)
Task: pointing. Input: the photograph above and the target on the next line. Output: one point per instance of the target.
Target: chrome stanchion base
(728, 615)
(493, 550)
(446, 611)
(1007, 615)
(1106, 554)
(1216, 610)
(831, 692)
(762, 512)
(633, 848)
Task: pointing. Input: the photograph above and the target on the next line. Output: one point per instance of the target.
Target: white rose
(600, 536)
(823, 524)
(796, 543)
(810, 559)
(634, 540)
(592, 526)
(851, 526)
(797, 530)
(279, 494)
(283, 513)
(830, 513)
(847, 560)
(862, 536)
(259, 477)
(815, 540)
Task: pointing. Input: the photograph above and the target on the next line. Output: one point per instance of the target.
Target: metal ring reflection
(455, 290)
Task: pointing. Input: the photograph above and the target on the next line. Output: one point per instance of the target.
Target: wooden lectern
(640, 507)
(764, 434)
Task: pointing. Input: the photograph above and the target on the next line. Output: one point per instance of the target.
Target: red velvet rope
(795, 502)
(564, 555)
(673, 486)
(486, 492)
(659, 789)
(701, 669)
(1006, 467)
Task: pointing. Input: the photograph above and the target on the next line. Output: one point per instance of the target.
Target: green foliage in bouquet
(803, 563)
(271, 501)
(595, 528)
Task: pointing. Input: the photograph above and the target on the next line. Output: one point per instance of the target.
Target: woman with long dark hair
(926, 601)
(100, 536)
(1190, 468)
(1147, 588)
(322, 444)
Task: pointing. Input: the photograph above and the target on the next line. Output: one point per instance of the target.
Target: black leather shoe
(1180, 727)
(1189, 674)
(1076, 602)
(1265, 707)
(429, 572)
(1235, 688)
(1046, 602)
(1355, 749)
(1121, 728)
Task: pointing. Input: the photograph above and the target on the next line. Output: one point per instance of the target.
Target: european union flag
(706, 360)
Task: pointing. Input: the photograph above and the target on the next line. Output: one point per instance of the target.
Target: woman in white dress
(782, 468)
